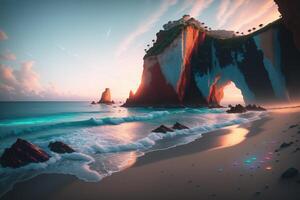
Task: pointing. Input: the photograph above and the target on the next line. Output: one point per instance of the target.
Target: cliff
(188, 66)
(289, 10)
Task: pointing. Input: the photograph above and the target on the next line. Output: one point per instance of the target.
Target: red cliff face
(153, 90)
(106, 97)
(165, 82)
(192, 38)
(216, 92)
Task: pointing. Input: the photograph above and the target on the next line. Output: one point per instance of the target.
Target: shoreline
(191, 171)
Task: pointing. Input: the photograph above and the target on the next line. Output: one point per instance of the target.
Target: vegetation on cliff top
(166, 37)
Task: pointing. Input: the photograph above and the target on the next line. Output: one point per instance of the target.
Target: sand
(239, 162)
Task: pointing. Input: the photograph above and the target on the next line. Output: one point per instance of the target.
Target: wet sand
(239, 162)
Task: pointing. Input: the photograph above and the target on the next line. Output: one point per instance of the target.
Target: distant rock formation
(93, 102)
(241, 109)
(106, 97)
(188, 66)
(22, 153)
(131, 94)
(237, 109)
(60, 147)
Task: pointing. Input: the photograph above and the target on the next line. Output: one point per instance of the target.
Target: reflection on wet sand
(235, 136)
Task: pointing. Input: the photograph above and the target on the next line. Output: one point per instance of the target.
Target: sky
(74, 49)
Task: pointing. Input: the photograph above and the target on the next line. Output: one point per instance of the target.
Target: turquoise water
(107, 139)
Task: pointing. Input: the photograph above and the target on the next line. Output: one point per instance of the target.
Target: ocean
(107, 138)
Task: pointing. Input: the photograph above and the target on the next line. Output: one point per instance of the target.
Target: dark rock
(293, 126)
(162, 129)
(284, 145)
(22, 153)
(60, 147)
(93, 102)
(237, 109)
(179, 126)
(289, 173)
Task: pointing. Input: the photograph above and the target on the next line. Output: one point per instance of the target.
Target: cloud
(224, 6)
(16, 83)
(184, 6)
(252, 13)
(3, 35)
(244, 14)
(8, 56)
(24, 84)
(199, 6)
(266, 15)
(144, 26)
(228, 8)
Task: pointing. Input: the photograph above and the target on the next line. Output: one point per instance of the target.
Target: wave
(205, 110)
(81, 163)
(88, 123)
(44, 118)
(149, 141)
(76, 164)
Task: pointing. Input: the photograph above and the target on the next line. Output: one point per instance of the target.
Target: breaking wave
(88, 123)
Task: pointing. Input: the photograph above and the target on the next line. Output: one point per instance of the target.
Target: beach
(237, 162)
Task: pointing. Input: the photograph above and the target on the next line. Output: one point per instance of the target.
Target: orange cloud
(266, 17)
(250, 14)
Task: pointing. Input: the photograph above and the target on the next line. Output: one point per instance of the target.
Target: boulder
(60, 147)
(237, 109)
(93, 102)
(179, 126)
(289, 173)
(162, 129)
(22, 153)
(106, 97)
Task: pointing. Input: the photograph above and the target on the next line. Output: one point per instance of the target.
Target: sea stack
(106, 97)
